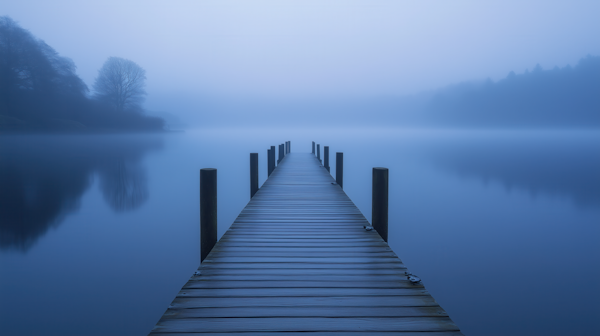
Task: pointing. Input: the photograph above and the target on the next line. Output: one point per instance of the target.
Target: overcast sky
(313, 48)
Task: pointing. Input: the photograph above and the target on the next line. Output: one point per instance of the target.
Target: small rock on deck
(297, 259)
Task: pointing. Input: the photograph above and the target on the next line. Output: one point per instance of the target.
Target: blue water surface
(99, 232)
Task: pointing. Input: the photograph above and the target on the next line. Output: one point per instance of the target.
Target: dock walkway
(297, 259)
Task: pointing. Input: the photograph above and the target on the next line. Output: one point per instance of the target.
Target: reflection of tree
(124, 185)
(34, 198)
(42, 179)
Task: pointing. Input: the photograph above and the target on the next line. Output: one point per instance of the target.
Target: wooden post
(253, 174)
(280, 153)
(319, 152)
(326, 157)
(313, 148)
(208, 211)
(290, 146)
(339, 169)
(271, 160)
(274, 156)
(380, 202)
(268, 162)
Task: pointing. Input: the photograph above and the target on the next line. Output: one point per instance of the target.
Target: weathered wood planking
(298, 260)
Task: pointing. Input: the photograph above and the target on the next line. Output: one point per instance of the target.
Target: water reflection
(567, 166)
(124, 185)
(43, 177)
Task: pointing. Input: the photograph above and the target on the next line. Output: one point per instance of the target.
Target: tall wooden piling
(326, 157)
(319, 152)
(281, 153)
(208, 211)
(253, 174)
(268, 162)
(379, 208)
(313, 147)
(271, 160)
(339, 169)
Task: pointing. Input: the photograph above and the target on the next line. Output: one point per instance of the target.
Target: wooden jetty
(299, 261)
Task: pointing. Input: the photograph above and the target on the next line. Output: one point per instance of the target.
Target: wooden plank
(290, 265)
(318, 249)
(299, 239)
(313, 260)
(306, 324)
(202, 282)
(305, 254)
(302, 244)
(283, 276)
(297, 259)
(329, 301)
(398, 272)
(306, 312)
(303, 292)
(326, 333)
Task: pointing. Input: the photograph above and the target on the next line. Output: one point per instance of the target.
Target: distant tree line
(561, 97)
(39, 89)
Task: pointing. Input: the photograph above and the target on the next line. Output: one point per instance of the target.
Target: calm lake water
(99, 233)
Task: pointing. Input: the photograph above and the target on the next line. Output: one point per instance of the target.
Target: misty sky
(313, 48)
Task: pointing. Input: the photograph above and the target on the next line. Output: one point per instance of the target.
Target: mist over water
(486, 219)
(486, 113)
(555, 98)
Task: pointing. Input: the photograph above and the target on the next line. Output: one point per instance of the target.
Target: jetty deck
(297, 259)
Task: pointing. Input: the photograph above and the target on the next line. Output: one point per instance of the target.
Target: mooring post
(271, 160)
(313, 148)
(208, 211)
(380, 202)
(290, 146)
(319, 152)
(281, 155)
(273, 156)
(253, 174)
(268, 162)
(326, 157)
(339, 169)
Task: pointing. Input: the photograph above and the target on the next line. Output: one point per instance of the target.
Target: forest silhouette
(561, 97)
(40, 91)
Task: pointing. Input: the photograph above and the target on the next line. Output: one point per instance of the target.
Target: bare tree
(121, 82)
